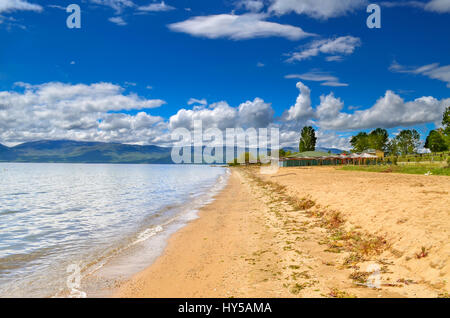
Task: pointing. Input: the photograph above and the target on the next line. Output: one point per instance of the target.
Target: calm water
(109, 220)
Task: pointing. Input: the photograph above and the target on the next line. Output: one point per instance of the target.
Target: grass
(409, 169)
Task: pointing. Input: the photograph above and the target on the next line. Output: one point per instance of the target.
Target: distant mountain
(332, 150)
(84, 152)
(323, 149)
(98, 152)
(70, 151)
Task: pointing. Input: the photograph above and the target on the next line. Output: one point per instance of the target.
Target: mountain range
(69, 151)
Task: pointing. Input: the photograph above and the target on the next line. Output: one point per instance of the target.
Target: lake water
(106, 221)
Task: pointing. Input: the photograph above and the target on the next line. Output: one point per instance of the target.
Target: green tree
(360, 142)
(435, 141)
(446, 124)
(407, 141)
(378, 139)
(446, 121)
(392, 147)
(308, 139)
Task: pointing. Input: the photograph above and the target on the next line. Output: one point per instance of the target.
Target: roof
(310, 154)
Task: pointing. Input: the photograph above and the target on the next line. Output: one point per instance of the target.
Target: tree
(435, 141)
(446, 121)
(446, 124)
(360, 142)
(407, 141)
(378, 139)
(308, 139)
(392, 147)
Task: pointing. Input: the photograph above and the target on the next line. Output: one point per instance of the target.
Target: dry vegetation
(304, 220)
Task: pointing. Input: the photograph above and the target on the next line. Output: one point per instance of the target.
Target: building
(319, 158)
(378, 153)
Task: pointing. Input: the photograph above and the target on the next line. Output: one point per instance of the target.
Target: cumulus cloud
(332, 122)
(18, 5)
(319, 9)
(237, 27)
(302, 110)
(81, 112)
(256, 113)
(98, 112)
(156, 7)
(434, 71)
(344, 45)
(389, 111)
(318, 76)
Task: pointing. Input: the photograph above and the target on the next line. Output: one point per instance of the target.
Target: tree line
(404, 143)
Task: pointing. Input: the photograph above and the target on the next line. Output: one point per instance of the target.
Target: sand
(250, 243)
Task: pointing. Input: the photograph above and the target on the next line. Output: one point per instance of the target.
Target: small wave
(148, 233)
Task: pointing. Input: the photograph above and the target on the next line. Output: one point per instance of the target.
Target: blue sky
(141, 62)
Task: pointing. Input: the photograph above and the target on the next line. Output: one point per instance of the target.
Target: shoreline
(250, 243)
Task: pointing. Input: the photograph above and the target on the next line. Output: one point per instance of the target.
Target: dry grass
(423, 253)
(336, 293)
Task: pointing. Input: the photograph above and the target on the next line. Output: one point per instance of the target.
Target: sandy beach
(310, 232)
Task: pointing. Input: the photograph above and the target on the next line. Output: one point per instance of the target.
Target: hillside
(84, 152)
(70, 151)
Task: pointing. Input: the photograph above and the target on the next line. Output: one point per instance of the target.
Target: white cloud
(302, 109)
(318, 76)
(18, 5)
(118, 20)
(329, 107)
(260, 64)
(250, 5)
(256, 113)
(80, 112)
(394, 4)
(389, 111)
(441, 6)
(344, 45)
(156, 7)
(197, 101)
(237, 27)
(319, 9)
(334, 58)
(117, 5)
(331, 139)
(434, 71)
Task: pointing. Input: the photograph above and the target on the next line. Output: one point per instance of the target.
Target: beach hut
(319, 158)
(309, 158)
(374, 152)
